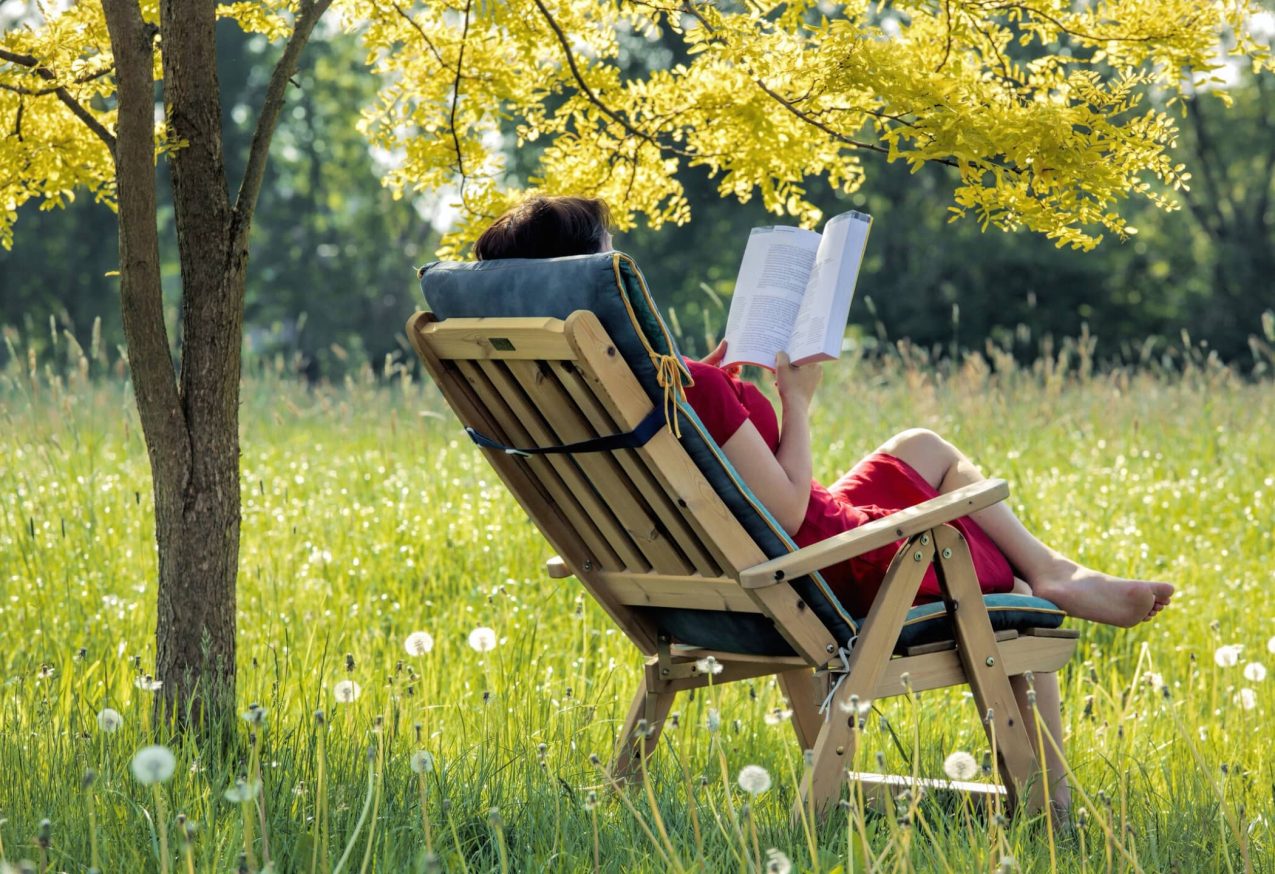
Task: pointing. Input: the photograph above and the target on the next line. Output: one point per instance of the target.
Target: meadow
(369, 517)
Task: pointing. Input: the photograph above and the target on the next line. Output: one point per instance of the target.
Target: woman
(915, 465)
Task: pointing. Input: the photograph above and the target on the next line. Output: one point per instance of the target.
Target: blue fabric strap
(639, 436)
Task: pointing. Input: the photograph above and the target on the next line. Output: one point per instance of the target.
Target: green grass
(367, 516)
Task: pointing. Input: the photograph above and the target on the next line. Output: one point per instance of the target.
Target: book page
(821, 322)
(772, 280)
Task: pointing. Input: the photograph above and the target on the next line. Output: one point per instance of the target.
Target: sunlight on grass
(418, 695)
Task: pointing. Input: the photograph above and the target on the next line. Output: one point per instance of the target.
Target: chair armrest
(878, 533)
(557, 568)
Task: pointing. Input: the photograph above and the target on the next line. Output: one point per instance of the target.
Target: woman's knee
(918, 443)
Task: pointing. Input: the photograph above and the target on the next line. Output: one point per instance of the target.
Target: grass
(368, 516)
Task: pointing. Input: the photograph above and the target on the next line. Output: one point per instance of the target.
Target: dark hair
(546, 227)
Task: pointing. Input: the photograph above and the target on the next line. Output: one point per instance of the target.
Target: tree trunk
(191, 423)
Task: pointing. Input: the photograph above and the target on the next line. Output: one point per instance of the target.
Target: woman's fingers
(715, 357)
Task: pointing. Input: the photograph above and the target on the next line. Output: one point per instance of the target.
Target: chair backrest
(658, 534)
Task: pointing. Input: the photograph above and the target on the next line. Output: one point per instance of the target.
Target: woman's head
(547, 227)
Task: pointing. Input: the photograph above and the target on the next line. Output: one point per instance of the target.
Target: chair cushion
(609, 285)
(928, 623)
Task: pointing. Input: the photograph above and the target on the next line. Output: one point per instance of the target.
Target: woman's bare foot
(1099, 597)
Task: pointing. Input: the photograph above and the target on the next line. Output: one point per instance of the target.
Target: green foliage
(368, 516)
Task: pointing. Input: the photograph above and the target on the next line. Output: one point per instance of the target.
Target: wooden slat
(546, 469)
(944, 645)
(880, 532)
(695, 593)
(627, 404)
(531, 495)
(657, 499)
(470, 339)
(606, 474)
(939, 669)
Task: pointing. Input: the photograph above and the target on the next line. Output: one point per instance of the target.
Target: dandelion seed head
(147, 683)
(960, 766)
(1255, 672)
(754, 779)
(777, 716)
(346, 691)
(591, 801)
(482, 639)
(153, 764)
(1227, 656)
(714, 719)
(777, 862)
(422, 762)
(1270, 645)
(254, 715)
(242, 792)
(708, 665)
(1247, 698)
(109, 720)
(855, 706)
(418, 643)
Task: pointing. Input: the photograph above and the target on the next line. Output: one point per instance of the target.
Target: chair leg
(652, 706)
(801, 688)
(835, 748)
(976, 645)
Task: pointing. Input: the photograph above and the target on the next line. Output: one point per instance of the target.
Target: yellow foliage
(1050, 112)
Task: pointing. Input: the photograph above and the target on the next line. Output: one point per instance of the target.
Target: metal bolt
(664, 672)
(588, 565)
(830, 648)
(947, 552)
(990, 661)
(916, 556)
(841, 751)
(925, 540)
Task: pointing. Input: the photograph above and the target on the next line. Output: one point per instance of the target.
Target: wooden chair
(643, 528)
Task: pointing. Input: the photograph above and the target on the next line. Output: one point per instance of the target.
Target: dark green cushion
(928, 623)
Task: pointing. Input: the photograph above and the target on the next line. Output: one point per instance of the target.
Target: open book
(794, 290)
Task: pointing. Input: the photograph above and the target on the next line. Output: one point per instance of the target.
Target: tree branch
(451, 121)
(62, 94)
(424, 36)
(268, 120)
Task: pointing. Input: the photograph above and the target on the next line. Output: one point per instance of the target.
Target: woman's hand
(715, 357)
(796, 384)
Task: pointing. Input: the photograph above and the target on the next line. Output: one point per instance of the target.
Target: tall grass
(367, 515)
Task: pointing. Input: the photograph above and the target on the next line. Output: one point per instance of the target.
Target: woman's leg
(1081, 591)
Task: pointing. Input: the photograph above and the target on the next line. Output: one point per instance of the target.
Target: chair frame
(643, 527)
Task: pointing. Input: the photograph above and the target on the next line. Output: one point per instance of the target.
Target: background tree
(1037, 109)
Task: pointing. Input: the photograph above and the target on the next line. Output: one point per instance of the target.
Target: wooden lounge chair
(645, 531)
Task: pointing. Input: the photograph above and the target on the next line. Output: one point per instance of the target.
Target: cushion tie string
(668, 374)
(843, 653)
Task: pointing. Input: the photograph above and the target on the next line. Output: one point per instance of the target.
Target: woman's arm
(781, 480)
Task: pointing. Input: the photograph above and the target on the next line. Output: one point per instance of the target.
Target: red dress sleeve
(715, 401)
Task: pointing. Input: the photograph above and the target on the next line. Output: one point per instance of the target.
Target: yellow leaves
(272, 20)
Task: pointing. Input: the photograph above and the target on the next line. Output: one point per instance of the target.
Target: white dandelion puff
(109, 720)
(776, 716)
(242, 792)
(777, 862)
(346, 691)
(422, 762)
(154, 764)
(1270, 645)
(1247, 698)
(714, 719)
(960, 766)
(482, 639)
(418, 643)
(147, 683)
(854, 705)
(1255, 672)
(708, 665)
(754, 779)
(254, 715)
(1228, 656)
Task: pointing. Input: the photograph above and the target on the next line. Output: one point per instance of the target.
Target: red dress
(877, 486)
